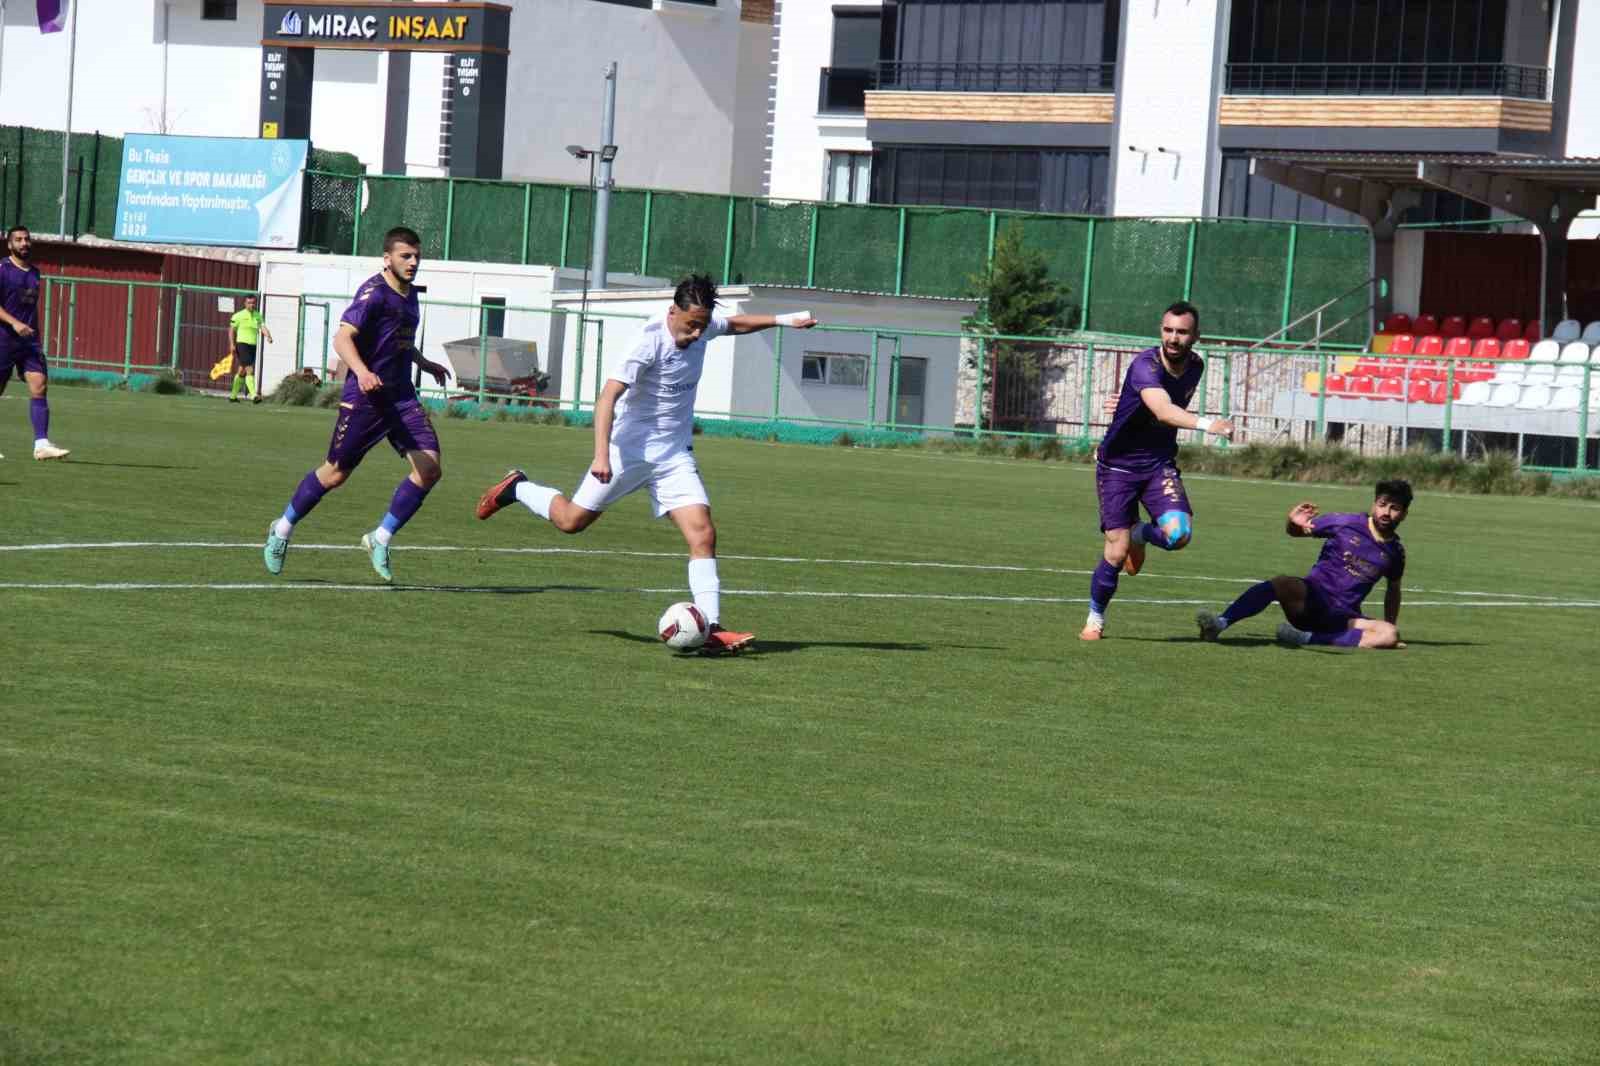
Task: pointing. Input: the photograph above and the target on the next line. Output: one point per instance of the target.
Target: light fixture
(608, 153)
(577, 151)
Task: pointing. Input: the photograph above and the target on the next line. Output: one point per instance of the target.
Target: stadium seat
(1424, 324)
(1546, 351)
(1453, 326)
(1391, 389)
(1403, 344)
(1534, 332)
(1460, 347)
(1534, 398)
(1482, 326)
(1476, 394)
(1573, 358)
(1369, 368)
(1337, 384)
(1432, 344)
(1515, 349)
(1420, 391)
(1505, 395)
(1591, 334)
(1380, 343)
(1565, 398)
(1509, 374)
(1363, 386)
(1568, 329)
(1396, 323)
(1393, 368)
(1509, 330)
(1487, 348)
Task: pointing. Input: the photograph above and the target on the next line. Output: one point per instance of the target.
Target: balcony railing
(998, 77)
(1387, 79)
(844, 90)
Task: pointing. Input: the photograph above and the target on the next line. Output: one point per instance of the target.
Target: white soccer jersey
(655, 417)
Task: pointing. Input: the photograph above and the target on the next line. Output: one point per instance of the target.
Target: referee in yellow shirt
(244, 328)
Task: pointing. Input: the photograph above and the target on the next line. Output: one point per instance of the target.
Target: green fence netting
(1063, 242)
(946, 251)
(546, 210)
(687, 234)
(330, 201)
(1329, 262)
(625, 231)
(487, 222)
(771, 241)
(857, 247)
(419, 203)
(1238, 277)
(1138, 269)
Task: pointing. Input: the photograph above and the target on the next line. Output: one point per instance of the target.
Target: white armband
(1202, 423)
(793, 318)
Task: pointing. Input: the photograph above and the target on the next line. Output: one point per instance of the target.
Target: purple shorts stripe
(361, 426)
(1121, 492)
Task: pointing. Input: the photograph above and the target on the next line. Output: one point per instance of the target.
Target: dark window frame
(219, 10)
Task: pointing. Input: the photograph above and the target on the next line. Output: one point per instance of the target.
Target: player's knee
(332, 476)
(1178, 527)
(429, 476)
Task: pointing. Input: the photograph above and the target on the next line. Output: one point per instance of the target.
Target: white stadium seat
(1568, 329)
(1546, 351)
(1534, 398)
(1476, 394)
(1574, 352)
(1591, 333)
(1508, 374)
(1505, 395)
(1564, 399)
(1543, 374)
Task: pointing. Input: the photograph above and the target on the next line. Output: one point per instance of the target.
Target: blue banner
(211, 190)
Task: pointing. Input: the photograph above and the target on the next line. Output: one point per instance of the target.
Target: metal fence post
(900, 257)
(1583, 419)
(988, 255)
(44, 330)
(599, 358)
(1227, 389)
(894, 384)
(127, 337)
(566, 225)
(1088, 394)
(1088, 276)
(449, 213)
(483, 349)
(727, 245)
(299, 333)
(355, 216)
(1322, 397)
(177, 325)
(72, 319)
(1288, 275)
(577, 370)
(977, 409)
(1449, 402)
(644, 244)
(872, 384)
(811, 249)
(527, 211)
(777, 371)
(1188, 263)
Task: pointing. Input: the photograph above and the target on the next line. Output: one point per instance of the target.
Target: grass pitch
(485, 818)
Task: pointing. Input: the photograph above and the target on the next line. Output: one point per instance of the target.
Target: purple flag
(52, 15)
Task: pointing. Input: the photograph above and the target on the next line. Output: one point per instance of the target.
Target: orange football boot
(502, 493)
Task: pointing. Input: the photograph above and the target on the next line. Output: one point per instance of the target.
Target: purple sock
(1102, 587)
(1256, 599)
(306, 496)
(1155, 536)
(408, 497)
(1349, 638)
(39, 415)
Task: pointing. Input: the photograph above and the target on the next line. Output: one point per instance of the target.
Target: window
(849, 178)
(221, 10)
(493, 315)
(855, 38)
(834, 368)
(1059, 46)
(1020, 179)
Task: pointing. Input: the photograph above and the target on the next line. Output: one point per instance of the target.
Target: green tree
(1016, 298)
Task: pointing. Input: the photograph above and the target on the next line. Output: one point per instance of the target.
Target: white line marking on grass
(905, 564)
(955, 597)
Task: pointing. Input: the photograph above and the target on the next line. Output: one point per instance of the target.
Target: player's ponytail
(696, 290)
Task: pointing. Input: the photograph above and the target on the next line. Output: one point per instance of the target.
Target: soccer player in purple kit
(1324, 607)
(377, 341)
(1136, 461)
(19, 336)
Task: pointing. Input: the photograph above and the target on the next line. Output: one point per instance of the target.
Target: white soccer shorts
(674, 482)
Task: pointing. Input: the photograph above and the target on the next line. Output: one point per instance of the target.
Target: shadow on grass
(125, 466)
(1263, 642)
(495, 590)
(779, 647)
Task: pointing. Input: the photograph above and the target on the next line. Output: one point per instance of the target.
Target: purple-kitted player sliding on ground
(1137, 460)
(19, 337)
(377, 341)
(1324, 607)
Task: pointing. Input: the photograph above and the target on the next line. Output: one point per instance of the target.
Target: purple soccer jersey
(1351, 562)
(1135, 440)
(386, 332)
(19, 295)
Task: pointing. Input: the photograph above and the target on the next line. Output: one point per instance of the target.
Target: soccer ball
(683, 627)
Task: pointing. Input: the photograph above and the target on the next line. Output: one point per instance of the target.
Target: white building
(691, 98)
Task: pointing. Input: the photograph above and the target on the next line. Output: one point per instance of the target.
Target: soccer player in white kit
(643, 437)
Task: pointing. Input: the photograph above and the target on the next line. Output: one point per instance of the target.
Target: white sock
(382, 536)
(42, 442)
(283, 527)
(707, 588)
(1096, 618)
(536, 498)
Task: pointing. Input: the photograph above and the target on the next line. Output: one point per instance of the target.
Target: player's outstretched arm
(438, 371)
(738, 324)
(1391, 609)
(344, 344)
(1300, 517)
(1170, 414)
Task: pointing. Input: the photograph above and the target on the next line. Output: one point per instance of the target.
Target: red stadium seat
(1396, 323)
(1481, 326)
(1510, 329)
(1453, 326)
(1441, 390)
(1534, 333)
(1487, 348)
(1420, 391)
(1363, 386)
(1391, 389)
(1404, 344)
(1424, 324)
(1426, 370)
(1431, 345)
(1368, 368)
(1517, 349)
(1394, 368)
(1337, 385)
(1458, 347)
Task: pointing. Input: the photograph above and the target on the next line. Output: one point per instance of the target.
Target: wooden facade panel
(1443, 112)
(992, 107)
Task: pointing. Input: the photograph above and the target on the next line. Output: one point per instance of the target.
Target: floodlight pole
(66, 141)
(602, 209)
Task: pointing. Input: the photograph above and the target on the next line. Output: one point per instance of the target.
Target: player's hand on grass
(368, 382)
(601, 469)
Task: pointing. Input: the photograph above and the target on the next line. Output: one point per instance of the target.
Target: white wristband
(793, 318)
(1202, 423)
